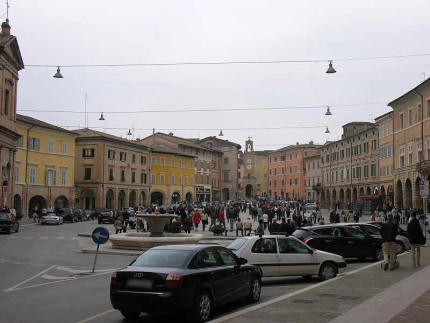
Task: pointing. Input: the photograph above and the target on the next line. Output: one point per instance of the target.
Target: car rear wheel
(327, 271)
(130, 315)
(203, 307)
(255, 292)
(400, 247)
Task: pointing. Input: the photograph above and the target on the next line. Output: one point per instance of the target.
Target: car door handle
(328, 241)
(350, 242)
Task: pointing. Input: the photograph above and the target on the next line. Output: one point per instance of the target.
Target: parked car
(187, 279)
(106, 216)
(400, 231)
(88, 215)
(342, 240)
(68, 215)
(79, 213)
(279, 255)
(8, 222)
(51, 218)
(402, 243)
(310, 206)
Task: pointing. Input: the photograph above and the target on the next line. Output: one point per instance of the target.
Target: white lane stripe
(27, 280)
(64, 280)
(27, 238)
(283, 297)
(44, 238)
(60, 238)
(49, 277)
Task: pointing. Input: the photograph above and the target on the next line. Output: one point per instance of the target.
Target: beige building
(229, 180)
(10, 62)
(349, 168)
(313, 177)
(411, 151)
(255, 179)
(385, 124)
(110, 172)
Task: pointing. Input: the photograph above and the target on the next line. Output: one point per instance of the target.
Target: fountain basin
(157, 222)
(144, 241)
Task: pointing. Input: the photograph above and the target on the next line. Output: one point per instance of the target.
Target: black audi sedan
(342, 240)
(186, 279)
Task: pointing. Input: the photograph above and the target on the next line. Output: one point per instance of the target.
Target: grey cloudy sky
(64, 32)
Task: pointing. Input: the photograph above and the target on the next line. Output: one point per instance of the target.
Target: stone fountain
(156, 235)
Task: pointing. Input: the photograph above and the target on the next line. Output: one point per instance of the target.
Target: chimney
(5, 28)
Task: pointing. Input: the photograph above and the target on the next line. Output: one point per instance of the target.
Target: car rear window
(3, 216)
(162, 258)
(301, 234)
(51, 214)
(236, 244)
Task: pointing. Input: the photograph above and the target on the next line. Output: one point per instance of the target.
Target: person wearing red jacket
(196, 219)
(221, 217)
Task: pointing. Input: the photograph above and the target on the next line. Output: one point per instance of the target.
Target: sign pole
(95, 259)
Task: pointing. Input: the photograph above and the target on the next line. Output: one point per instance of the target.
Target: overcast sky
(55, 32)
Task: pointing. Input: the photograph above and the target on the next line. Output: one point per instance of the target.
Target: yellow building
(173, 176)
(255, 180)
(44, 166)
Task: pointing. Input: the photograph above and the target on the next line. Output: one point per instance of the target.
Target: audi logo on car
(138, 275)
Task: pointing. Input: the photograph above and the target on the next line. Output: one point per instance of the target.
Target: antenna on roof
(7, 9)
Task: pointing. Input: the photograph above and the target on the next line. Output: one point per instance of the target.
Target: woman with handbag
(416, 238)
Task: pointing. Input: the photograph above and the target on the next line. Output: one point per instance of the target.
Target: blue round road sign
(100, 235)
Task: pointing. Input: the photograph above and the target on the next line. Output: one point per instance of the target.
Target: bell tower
(249, 145)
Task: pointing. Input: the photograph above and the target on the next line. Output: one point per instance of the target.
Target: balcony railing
(423, 167)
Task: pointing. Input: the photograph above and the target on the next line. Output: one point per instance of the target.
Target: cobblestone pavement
(418, 311)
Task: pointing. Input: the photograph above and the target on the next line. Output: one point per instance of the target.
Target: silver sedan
(51, 218)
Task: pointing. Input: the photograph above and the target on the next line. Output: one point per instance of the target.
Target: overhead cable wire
(230, 62)
(203, 129)
(205, 110)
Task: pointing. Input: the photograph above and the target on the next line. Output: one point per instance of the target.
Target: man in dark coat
(416, 238)
(388, 233)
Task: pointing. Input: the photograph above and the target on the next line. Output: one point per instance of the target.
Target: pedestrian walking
(265, 220)
(417, 239)
(260, 228)
(239, 227)
(388, 233)
(248, 226)
(196, 219)
(118, 225)
(204, 220)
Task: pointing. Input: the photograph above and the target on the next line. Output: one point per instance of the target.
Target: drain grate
(304, 301)
(349, 298)
(327, 295)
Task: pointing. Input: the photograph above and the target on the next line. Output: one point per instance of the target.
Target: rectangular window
(6, 102)
(122, 156)
(50, 146)
(142, 178)
(186, 180)
(87, 174)
(143, 160)
(180, 163)
(420, 151)
(225, 160)
(283, 170)
(366, 171)
(162, 178)
(123, 176)
(420, 113)
(111, 174)
(153, 160)
(64, 148)
(51, 177)
(133, 177)
(226, 176)
(32, 175)
(373, 170)
(373, 144)
(88, 152)
(275, 184)
(180, 180)
(34, 143)
(402, 121)
(291, 181)
(296, 181)
(111, 154)
(410, 117)
(63, 177)
(162, 161)
(20, 142)
(133, 159)
(17, 168)
(173, 179)
(276, 171)
(153, 181)
(428, 108)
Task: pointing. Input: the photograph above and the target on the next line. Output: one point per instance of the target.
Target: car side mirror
(311, 251)
(242, 261)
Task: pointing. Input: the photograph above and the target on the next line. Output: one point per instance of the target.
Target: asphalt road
(45, 278)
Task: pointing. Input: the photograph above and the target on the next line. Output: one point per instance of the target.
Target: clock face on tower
(249, 161)
(249, 167)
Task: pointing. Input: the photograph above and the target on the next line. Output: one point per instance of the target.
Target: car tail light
(99, 216)
(113, 279)
(8, 221)
(173, 281)
(110, 216)
(307, 239)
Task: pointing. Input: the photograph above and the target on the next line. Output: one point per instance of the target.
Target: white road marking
(49, 277)
(8, 238)
(44, 238)
(60, 281)
(27, 238)
(27, 280)
(60, 238)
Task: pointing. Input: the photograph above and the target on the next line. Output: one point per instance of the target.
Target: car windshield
(162, 258)
(3, 216)
(236, 244)
(301, 234)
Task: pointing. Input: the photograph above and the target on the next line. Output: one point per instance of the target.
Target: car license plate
(140, 283)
